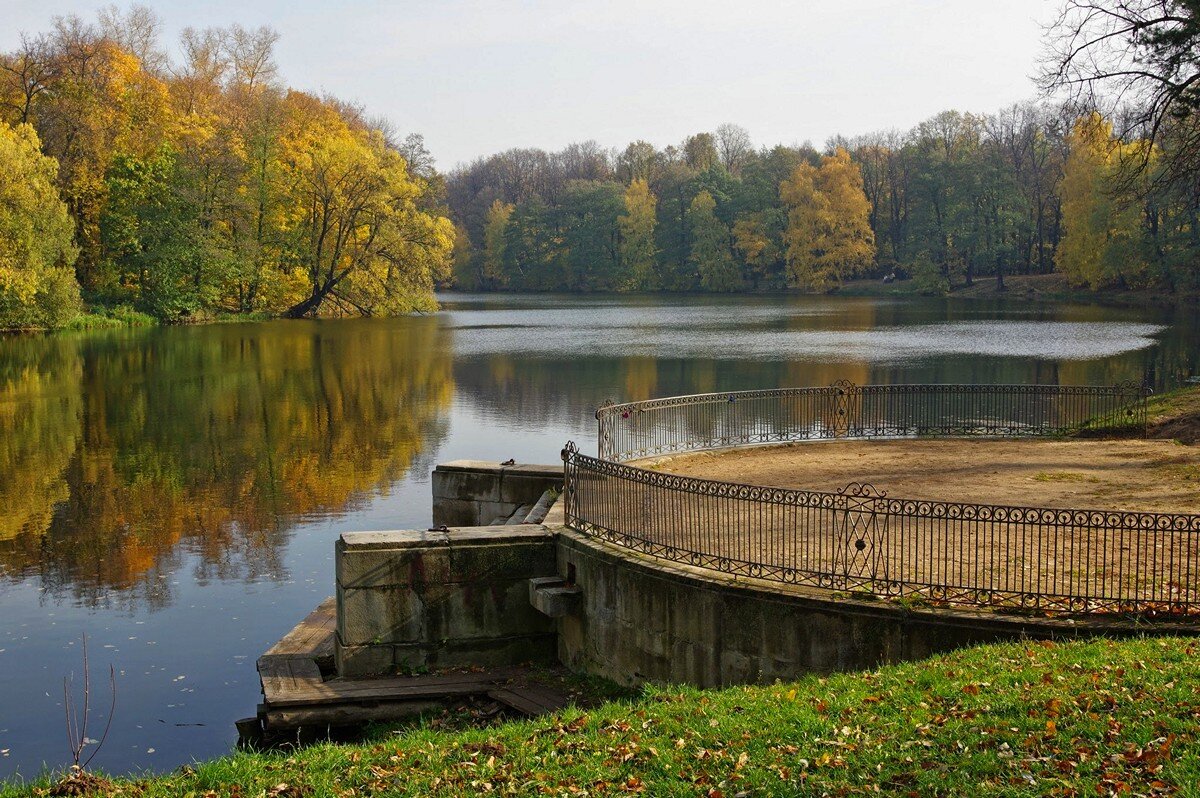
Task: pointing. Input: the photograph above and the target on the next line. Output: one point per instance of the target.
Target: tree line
(202, 184)
(1031, 189)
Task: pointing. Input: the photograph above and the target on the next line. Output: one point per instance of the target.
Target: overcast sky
(479, 77)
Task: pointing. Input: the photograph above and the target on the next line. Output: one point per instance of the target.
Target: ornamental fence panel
(637, 430)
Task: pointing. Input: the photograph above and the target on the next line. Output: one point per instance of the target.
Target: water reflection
(121, 452)
(175, 493)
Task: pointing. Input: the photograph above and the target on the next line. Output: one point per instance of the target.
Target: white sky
(477, 77)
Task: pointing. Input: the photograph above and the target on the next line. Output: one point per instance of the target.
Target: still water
(175, 493)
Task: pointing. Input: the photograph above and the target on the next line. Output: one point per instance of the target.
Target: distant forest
(1028, 190)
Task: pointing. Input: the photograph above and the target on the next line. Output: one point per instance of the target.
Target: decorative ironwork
(636, 430)
(859, 538)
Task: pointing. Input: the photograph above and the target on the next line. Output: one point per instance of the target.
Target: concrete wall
(643, 619)
(476, 493)
(411, 599)
(463, 596)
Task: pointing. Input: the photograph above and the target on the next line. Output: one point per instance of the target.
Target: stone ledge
(532, 469)
(826, 601)
(454, 536)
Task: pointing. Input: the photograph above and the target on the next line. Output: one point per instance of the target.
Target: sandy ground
(1147, 475)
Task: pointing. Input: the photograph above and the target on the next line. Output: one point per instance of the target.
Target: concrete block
(496, 652)
(523, 488)
(411, 656)
(489, 511)
(500, 563)
(558, 602)
(481, 484)
(389, 567)
(392, 539)
(364, 660)
(539, 470)
(456, 512)
(486, 610)
(542, 582)
(372, 616)
(493, 535)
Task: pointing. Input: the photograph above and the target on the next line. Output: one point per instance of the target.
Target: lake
(175, 493)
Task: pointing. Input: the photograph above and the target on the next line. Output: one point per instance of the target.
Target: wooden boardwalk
(300, 690)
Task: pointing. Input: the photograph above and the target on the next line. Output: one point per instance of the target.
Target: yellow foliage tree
(495, 230)
(637, 236)
(37, 288)
(828, 235)
(752, 237)
(363, 242)
(1103, 241)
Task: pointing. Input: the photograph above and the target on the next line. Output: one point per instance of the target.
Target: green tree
(637, 237)
(37, 286)
(591, 234)
(155, 241)
(710, 246)
(494, 243)
(464, 274)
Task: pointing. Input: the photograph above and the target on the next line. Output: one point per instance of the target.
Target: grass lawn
(1094, 718)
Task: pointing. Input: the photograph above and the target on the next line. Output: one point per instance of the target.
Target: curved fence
(656, 427)
(861, 540)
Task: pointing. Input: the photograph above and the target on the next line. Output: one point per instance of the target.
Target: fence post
(604, 428)
(568, 457)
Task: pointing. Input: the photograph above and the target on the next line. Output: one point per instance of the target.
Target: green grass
(1094, 718)
(1162, 409)
(1061, 476)
(111, 318)
(1173, 404)
(107, 318)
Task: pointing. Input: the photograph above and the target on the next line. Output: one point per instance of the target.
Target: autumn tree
(362, 245)
(710, 246)
(1141, 59)
(463, 273)
(37, 288)
(828, 235)
(1103, 243)
(494, 243)
(637, 237)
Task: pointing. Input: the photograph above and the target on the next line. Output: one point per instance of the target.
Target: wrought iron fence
(859, 539)
(636, 430)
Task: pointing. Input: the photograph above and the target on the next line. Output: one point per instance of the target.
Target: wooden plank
(282, 677)
(530, 699)
(338, 691)
(313, 637)
(345, 714)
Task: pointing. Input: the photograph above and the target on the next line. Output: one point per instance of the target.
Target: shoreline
(1047, 288)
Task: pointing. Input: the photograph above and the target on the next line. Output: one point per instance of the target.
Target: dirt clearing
(1146, 475)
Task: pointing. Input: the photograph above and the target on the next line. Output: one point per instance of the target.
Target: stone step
(553, 597)
(518, 515)
(542, 507)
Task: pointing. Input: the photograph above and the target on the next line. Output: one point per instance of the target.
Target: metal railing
(860, 540)
(636, 430)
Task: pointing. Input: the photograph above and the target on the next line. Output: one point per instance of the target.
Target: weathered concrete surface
(646, 619)
(463, 596)
(410, 599)
(476, 492)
